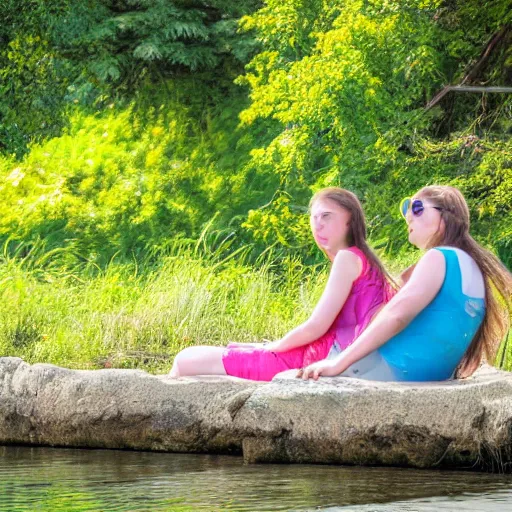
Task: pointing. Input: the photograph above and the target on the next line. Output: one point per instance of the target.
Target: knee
(182, 362)
(175, 370)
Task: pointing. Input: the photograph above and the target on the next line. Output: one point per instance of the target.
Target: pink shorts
(255, 363)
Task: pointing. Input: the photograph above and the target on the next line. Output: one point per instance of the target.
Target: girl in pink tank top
(370, 291)
(356, 289)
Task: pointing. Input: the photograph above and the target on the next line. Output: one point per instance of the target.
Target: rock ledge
(462, 424)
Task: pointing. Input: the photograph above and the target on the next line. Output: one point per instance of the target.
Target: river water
(77, 480)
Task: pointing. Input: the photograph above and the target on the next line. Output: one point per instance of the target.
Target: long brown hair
(498, 280)
(357, 227)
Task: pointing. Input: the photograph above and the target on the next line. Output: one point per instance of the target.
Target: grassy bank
(139, 316)
(131, 315)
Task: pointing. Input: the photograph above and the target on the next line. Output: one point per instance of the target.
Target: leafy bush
(113, 184)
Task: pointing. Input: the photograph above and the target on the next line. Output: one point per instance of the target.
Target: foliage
(337, 96)
(116, 37)
(347, 83)
(57, 54)
(33, 83)
(122, 133)
(128, 179)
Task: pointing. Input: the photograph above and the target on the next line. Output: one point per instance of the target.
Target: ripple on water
(78, 480)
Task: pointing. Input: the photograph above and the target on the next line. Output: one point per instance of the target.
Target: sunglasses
(415, 206)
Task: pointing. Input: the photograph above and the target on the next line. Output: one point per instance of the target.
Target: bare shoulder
(431, 265)
(346, 257)
(424, 284)
(432, 257)
(348, 263)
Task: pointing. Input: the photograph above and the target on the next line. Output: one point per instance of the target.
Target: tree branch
(491, 45)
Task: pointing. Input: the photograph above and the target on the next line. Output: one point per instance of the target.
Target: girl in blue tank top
(433, 344)
(446, 318)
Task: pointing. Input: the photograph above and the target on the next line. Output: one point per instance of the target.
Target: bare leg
(198, 361)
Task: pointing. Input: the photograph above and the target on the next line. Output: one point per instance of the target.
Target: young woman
(446, 318)
(357, 287)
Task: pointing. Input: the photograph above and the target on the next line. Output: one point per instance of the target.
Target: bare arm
(423, 285)
(346, 268)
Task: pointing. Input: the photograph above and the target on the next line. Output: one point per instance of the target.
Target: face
(424, 227)
(330, 224)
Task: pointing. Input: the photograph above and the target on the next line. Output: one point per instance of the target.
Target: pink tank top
(369, 292)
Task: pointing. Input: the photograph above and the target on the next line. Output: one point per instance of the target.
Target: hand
(326, 368)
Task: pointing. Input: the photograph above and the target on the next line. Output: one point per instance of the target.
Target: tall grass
(140, 315)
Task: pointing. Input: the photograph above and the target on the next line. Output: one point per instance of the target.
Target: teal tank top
(432, 345)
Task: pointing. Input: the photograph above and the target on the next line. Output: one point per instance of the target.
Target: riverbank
(462, 424)
(141, 314)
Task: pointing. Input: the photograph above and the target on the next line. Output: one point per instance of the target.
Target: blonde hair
(498, 280)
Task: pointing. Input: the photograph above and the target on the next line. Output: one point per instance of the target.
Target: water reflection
(75, 480)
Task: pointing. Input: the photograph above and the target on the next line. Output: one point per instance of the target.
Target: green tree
(344, 86)
(57, 54)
